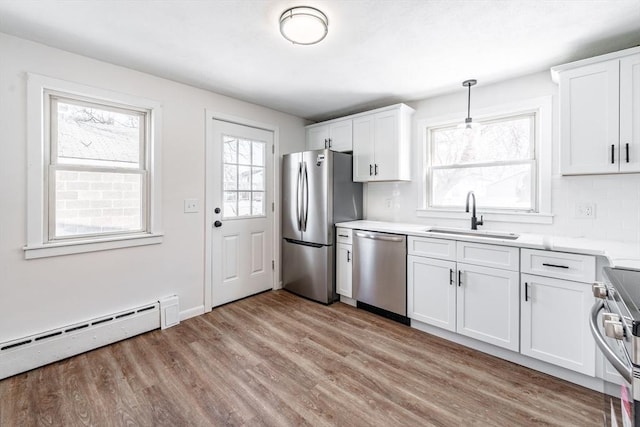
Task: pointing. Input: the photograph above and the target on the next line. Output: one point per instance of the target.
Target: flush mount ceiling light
(304, 25)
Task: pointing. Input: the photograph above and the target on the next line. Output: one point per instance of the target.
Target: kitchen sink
(474, 233)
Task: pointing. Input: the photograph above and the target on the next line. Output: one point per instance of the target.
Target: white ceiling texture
(377, 51)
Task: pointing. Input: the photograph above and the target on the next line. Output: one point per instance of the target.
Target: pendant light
(470, 129)
(304, 25)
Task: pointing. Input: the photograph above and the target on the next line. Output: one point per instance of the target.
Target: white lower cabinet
(431, 294)
(344, 257)
(555, 325)
(488, 305)
(472, 300)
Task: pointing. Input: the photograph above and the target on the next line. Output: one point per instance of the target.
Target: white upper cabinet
(381, 144)
(600, 114)
(336, 135)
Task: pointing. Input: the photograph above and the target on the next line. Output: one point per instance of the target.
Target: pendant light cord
(469, 103)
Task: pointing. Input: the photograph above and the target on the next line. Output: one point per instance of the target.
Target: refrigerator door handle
(306, 198)
(298, 201)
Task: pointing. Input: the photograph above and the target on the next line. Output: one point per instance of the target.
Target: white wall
(41, 294)
(617, 197)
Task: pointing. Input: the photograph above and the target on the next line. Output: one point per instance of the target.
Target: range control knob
(599, 290)
(609, 316)
(613, 329)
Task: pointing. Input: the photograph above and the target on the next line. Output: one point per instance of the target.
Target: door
(242, 237)
(488, 305)
(630, 114)
(363, 148)
(431, 291)
(555, 325)
(317, 137)
(589, 119)
(344, 271)
(386, 147)
(341, 135)
(292, 190)
(316, 195)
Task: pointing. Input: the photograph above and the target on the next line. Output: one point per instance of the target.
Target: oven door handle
(611, 356)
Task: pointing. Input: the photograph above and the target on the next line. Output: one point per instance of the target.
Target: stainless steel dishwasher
(380, 273)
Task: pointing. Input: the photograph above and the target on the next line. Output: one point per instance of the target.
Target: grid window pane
(89, 203)
(89, 135)
(243, 177)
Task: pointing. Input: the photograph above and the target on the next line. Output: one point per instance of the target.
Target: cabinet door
(341, 135)
(488, 305)
(555, 322)
(316, 137)
(589, 131)
(344, 256)
(431, 291)
(363, 148)
(386, 146)
(630, 113)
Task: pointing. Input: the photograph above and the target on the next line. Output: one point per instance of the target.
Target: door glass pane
(257, 180)
(257, 203)
(244, 152)
(88, 203)
(244, 178)
(230, 151)
(230, 181)
(95, 135)
(258, 153)
(230, 204)
(244, 203)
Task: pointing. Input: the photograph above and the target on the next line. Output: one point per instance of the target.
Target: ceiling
(377, 51)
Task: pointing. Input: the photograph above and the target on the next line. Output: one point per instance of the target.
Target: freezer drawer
(380, 270)
(307, 270)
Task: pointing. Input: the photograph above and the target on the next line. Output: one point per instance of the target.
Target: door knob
(217, 224)
(217, 210)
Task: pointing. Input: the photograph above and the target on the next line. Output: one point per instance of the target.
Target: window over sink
(506, 163)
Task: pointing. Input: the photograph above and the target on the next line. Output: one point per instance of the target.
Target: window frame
(540, 108)
(41, 91)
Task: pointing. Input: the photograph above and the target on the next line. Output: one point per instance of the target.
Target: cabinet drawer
(432, 248)
(503, 257)
(344, 235)
(581, 268)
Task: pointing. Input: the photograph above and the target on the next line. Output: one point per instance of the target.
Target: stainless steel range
(615, 325)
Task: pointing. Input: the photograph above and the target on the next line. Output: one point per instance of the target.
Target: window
(498, 164)
(93, 173)
(506, 163)
(243, 179)
(97, 169)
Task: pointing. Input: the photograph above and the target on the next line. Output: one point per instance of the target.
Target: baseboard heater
(41, 349)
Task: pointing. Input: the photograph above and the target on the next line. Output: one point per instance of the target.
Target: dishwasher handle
(376, 236)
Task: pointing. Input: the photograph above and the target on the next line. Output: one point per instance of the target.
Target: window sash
(54, 99)
(51, 207)
(530, 160)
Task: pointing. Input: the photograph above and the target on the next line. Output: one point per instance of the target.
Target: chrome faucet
(474, 221)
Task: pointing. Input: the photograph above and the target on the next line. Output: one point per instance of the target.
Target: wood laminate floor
(276, 359)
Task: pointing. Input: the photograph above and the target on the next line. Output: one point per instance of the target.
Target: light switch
(191, 205)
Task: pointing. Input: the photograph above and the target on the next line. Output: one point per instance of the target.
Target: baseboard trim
(191, 312)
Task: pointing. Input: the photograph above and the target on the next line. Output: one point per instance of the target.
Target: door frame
(210, 116)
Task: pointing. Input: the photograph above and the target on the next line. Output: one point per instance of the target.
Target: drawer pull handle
(343, 235)
(451, 276)
(348, 256)
(554, 265)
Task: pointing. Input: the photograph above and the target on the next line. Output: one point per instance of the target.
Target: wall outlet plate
(585, 210)
(191, 206)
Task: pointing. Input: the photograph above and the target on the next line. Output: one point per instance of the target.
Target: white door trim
(210, 205)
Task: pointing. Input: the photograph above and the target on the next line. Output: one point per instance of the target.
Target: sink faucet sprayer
(474, 221)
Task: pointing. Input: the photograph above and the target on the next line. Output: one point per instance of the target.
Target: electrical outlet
(388, 203)
(191, 206)
(585, 210)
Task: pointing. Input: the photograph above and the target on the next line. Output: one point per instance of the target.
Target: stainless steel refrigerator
(317, 192)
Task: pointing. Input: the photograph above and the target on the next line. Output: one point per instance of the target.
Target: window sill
(520, 217)
(93, 245)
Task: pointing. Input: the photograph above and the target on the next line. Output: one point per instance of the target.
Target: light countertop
(618, 254)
